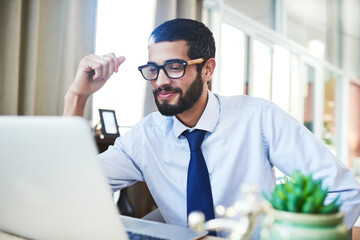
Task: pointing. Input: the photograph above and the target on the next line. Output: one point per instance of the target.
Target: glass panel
(261, 82)
(304, 18)
(309, 97)
(246, 85)
(306, 23)
(349, 30)
(354, 128)
(329, 110)
(281, 77)
(120, 37)
(261, 11)
(295, 88)
(328, 28)
(232, 62)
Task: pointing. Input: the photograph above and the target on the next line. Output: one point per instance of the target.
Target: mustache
(167, 89)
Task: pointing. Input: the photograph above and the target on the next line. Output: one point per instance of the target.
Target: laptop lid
(51, 185)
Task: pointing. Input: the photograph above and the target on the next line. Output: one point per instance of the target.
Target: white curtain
(41, 43)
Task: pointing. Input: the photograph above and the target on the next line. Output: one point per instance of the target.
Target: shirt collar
(207, 121)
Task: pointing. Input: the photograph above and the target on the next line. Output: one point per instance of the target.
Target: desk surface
(5, 236)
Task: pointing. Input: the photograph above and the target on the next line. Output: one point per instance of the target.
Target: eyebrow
(167, 61)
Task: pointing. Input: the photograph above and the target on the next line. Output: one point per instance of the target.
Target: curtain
(166, 10)
(41, 44)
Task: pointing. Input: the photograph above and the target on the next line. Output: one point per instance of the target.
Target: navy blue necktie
(199, 197)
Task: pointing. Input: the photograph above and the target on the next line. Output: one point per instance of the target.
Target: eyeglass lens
(172, 70)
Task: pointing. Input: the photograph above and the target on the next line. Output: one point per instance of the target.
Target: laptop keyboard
(137, 236)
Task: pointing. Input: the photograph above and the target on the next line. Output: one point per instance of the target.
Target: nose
(162, 79)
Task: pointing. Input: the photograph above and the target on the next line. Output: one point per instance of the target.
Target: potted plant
(300, 211)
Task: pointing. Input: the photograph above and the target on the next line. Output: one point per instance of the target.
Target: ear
(208, 69)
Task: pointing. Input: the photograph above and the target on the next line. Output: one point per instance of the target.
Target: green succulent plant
(302, 194)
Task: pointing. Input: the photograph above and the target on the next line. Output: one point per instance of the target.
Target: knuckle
(98, 68)
(88, 57)
(105, 63)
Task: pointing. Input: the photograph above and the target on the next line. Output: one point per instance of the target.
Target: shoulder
(153, 121)
(151, 128)
(243, 101)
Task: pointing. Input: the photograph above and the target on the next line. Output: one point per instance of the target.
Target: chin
(172, 102)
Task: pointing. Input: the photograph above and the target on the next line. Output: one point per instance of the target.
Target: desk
(5, 236)
(356, 233)
(356, 230)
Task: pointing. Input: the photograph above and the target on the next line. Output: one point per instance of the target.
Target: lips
(166, 95)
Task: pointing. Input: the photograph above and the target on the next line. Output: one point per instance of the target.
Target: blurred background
(302, 55)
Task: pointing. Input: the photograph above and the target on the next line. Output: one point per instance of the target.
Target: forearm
(347, 186)
(74, 104)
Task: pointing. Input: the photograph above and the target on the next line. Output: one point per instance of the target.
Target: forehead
(163, 51)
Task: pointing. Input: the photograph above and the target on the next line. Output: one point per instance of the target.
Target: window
(121, 31)
(309, 97)
(295, 89)
(281, 77)
(329, 110)
(233, 46)
(305, 68)
(354, 127)
(261, 82)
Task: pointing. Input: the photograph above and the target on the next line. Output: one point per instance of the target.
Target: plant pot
(299, 226)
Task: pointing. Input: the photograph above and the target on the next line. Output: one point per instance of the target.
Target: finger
(105, 67)
(119, 61)
(111, 58)
(97, 66)
(102, 65)
(116, 61)
(91, 64)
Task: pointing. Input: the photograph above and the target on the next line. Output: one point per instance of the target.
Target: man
(244, 136)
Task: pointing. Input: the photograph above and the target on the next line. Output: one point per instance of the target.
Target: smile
(166, 95)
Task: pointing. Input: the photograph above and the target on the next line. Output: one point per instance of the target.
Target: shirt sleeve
(291, 146)
(122, 162)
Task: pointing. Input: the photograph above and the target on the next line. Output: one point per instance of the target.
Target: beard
(185, 101)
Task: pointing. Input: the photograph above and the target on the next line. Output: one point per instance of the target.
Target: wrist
(74, 104)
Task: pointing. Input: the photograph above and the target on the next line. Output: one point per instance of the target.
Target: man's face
(174, 96)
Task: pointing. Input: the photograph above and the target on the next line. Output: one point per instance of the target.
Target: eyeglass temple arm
(195, 61)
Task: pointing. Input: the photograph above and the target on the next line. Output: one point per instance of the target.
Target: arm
(91, 75)
(292, 147)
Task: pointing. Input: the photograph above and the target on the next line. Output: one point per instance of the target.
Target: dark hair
(199, 38)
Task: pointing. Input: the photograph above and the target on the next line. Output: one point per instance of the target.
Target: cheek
(183, 84)
(187, 80)
(191, 73)
(153, 85)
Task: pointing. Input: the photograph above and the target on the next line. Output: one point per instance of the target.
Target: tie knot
(195, 138)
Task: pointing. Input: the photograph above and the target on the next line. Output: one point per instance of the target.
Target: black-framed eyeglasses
(173, 69)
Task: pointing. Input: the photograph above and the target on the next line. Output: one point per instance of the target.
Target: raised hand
(92, 74)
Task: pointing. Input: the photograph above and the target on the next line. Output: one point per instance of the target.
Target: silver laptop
(53, 187)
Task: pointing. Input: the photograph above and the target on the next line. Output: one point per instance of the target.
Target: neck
(191, 117)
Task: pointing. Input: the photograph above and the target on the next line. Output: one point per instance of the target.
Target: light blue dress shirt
(246, 137)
